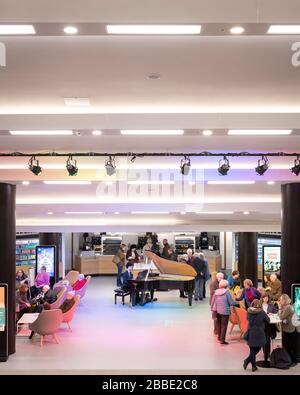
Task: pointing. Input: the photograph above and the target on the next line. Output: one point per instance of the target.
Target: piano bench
(122, 293)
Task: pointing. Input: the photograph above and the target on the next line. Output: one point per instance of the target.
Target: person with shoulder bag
(255, 334)
(289, 331)
(119, 261)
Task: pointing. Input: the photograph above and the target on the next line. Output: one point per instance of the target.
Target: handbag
(116, 259)
(246, 335)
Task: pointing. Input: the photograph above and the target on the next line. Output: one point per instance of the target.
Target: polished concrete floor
(166, 336)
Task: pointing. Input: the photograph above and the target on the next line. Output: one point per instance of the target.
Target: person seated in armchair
(47, 295)
(68, 303)
(42, 278)
(79, 283)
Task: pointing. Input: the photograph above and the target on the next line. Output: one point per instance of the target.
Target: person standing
(255, 335)
(221, 303)
(214, 285)
(165, 249)
(132, 256)
(199, 266)
(249, 293)
(206, 275)
(119, 261)
(190, 256)
(289, 332)
(273, 286)
(172, 256)
(270, 329)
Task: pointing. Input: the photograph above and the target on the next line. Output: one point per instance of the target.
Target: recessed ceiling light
(215, 212)
(25, 182)
(271, 182)
(83, 212)
(192, 182)
(150, 182)
(154, 76)
(183, 213)
(16, 29)
(237, 30)
(284, 29)
(153, 29)
(116, 212)
(96, 132)
(67, 182)
(149, 212)
(41, 132)
(77, 101)
(152, 132)
(246, 213)
(70, 30)
(207, 132)
(258, 132)
(230, 182)
(50, 213)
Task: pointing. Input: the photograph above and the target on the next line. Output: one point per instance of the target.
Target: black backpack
(280, 359)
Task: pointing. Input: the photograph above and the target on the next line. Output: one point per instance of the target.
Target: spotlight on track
(262, 166)
(71, 166)
(296, 168)
(133, 158)
(110, 166)
(185, 166)
(223, 166)
(34, 166)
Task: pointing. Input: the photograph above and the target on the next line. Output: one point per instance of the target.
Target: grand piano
(168, 275)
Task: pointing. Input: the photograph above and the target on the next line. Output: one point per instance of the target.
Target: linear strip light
(259, 132)
(230, 182)
(16, 29)
(284, 29)
(150, 182)
(152, 132)
(149, 212)
(153, 29)
(41, 132)
(215, 212)
(83, 212)
(68, 182)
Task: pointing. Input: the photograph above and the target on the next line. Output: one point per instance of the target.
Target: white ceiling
(215, 82)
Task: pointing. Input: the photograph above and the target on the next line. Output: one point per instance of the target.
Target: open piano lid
(165, 266)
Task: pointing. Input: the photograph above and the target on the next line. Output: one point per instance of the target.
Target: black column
(53, 239)
(290, 236)
(8, 255)
(247, 256)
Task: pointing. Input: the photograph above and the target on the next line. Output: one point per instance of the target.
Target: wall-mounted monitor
(3, 323)
(296, 299)
(271, 260)
(45, 256)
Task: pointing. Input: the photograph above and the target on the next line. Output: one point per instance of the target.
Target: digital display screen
(296, 299)
(45, 256)
(2, 309)
(271, 260)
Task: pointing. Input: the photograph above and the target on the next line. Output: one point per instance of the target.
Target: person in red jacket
(79, 283)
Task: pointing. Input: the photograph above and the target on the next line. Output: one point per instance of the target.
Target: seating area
(45, 318)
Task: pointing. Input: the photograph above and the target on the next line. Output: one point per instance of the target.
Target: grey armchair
(47, 324)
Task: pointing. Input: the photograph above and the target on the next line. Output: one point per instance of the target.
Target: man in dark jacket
(199, 266)
(48, 296)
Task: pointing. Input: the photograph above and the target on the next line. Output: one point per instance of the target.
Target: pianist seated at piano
(168, 275)
(127, 276)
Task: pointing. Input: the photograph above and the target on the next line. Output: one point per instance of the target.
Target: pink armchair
(81, 292)
(68, 316)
